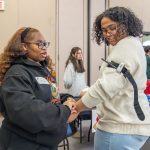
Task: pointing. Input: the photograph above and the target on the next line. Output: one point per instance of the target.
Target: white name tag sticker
(41, 80)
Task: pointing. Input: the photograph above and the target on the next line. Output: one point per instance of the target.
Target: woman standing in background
(74, 76)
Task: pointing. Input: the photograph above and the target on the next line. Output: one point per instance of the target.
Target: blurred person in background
(146, 46)
(74, 75)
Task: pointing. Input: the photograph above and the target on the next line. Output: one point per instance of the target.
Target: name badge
(41, 80)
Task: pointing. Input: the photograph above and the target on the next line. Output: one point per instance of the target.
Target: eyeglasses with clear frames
(41, 44)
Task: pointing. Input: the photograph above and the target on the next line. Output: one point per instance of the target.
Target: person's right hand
(70, 103)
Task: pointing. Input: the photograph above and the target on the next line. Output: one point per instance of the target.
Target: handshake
(75, 106)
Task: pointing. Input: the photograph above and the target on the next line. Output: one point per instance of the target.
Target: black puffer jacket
(29, 111)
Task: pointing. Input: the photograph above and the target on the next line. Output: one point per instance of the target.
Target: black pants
(11, 141)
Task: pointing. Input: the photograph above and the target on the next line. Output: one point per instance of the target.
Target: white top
(113, 94)
(74, 82)
(146, 43)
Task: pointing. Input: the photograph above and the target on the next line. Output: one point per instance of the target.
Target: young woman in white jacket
(121, 126)
(74, 75)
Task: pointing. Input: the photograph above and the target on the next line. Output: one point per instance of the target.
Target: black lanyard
(122, 69)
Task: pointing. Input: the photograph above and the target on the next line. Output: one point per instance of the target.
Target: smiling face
(36, 47)
(112, 31)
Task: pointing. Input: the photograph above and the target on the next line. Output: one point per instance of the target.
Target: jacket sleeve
(69, 76)
(28, 112)
(111, 82)
(104, 88)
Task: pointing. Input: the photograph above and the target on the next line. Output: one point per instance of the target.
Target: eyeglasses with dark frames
(111, 29)
(41, 44)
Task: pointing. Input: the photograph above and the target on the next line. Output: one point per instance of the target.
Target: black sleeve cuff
(68, 108)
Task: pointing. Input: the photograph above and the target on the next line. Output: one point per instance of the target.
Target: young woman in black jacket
(34, 119)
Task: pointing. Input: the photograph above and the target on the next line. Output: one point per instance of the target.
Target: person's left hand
(73, 115)
(70, 103)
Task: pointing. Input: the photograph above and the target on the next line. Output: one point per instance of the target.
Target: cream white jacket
(74, 82)
(113, 94)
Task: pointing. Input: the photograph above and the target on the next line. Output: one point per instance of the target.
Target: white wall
(140, 7)
(72, 31)
(96, 52)
(64, 24)
(34, 13)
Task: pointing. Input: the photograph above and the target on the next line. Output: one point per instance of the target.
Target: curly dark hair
(13, 50)
(78, 66)
(146, 49)
(122, 16)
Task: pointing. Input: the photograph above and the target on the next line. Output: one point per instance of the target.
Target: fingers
(70, 103)
(75, 105)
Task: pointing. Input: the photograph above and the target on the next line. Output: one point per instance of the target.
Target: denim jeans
(112, 141)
